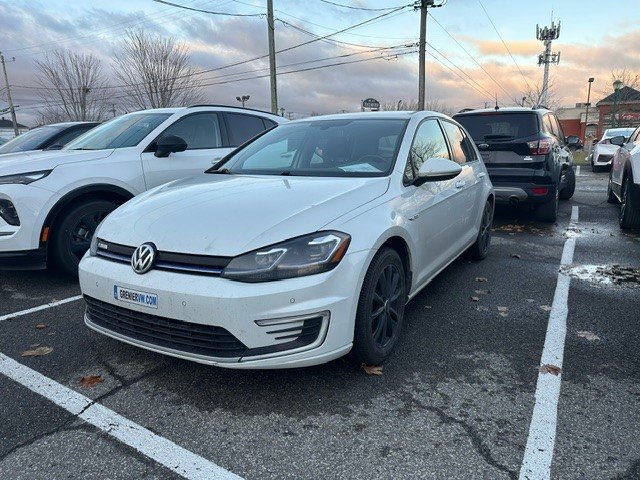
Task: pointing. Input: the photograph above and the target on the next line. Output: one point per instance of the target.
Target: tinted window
(557, 127)
(547, 126)
(71, 134)
(499, 126)
(268, 123)
(462, 150)
(125, 131)
(428, 143)
(31, 140)
(200, 130)
(332, 148)
(243, 127)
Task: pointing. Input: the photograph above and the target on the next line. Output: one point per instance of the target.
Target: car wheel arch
(90, 192)
(400, 244)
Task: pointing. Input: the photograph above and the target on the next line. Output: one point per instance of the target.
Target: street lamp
(523, 100)
(399, 104)
(617, 85)
(243, 99)
(586, 115)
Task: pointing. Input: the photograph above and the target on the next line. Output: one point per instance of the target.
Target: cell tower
(547, 35)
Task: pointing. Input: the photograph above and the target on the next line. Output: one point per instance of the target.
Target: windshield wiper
(285, 173)
(222, 171)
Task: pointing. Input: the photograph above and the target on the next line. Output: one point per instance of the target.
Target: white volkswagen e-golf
(302, 245)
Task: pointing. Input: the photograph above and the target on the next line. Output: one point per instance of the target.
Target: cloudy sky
(467, 63)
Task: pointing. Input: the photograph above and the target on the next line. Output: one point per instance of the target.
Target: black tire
(629, 207)
(480, 248)
(548, 212)
(376, 332)
(72, 232)
(570, 187)
(611, 197)
(594, 169)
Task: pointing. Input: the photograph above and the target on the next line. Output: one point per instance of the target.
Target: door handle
(482, 175)
(460, 184)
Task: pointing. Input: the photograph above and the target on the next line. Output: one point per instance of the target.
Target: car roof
(69, 124)
(391, 115)
(540, 111)
(209, 107)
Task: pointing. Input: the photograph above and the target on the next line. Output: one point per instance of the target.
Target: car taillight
(540, 147)
(540, 190)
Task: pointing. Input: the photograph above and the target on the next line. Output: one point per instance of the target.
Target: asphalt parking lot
(455, 401)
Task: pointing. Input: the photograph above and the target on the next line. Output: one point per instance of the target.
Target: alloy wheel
(80, 236)
(387, 296)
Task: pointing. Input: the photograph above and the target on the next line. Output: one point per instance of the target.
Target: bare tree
(411, 105)
(72, 87)
(627, 77)
(155, 72)
(532, 96)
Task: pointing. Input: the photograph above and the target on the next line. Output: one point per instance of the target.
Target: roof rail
(540, 107)
(229, 106)
(466, 110)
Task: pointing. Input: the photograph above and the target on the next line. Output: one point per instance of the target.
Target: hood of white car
(228, 215)
(34, 161)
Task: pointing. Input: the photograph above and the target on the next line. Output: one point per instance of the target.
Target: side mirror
(573, 140)
(168, 144)
(619, 140)
(436, 170)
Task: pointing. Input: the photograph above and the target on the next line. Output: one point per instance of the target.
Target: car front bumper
(247, 311)
(603, 159)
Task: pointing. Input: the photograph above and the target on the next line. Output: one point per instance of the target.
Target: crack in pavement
(64, 427)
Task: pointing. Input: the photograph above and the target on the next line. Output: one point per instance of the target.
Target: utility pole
(586, 115)
(113, 109)
(11, 107)
(424, 5)
(547, 35)
(272, 57)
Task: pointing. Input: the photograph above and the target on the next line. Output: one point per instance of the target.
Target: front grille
(168, 261)
(186, 337)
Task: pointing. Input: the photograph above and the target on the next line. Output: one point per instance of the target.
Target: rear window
(499, 126)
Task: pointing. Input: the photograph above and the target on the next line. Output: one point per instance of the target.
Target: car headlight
(307, 255)
(24, 178)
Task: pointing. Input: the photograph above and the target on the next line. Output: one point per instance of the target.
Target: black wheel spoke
(377, 313)
(385, 306)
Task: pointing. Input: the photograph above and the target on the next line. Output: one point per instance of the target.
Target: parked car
(603, 150)
(47, 137)
(574, 143)
(624, 179)
(52, 201)
(526, 154)
(3, 141)
(301, 245)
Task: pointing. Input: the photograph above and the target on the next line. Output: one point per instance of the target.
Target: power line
(226, 14)
(357, 8)
(472, 57)
(505, 45)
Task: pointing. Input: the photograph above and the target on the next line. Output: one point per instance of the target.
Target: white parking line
(578, 171)
(165, 452)
(538, 454)
(41, 307)
(574, 214)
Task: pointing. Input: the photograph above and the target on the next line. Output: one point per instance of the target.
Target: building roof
(4, 123)
(625, 94)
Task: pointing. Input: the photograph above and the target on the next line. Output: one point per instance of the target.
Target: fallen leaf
(427, 306)
(482, 292)
(37, 352)
(34, 345)
(40, 326)
(592, 337)
(481, 308)
(372, 369)
(546, 308)
(530, 300)
(89, 381)
(481, 279)
(552, 369)
(475, 299)
(515, 255)
(503, 309)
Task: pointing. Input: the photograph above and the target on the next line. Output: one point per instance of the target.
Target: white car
(603, 150)
(303, 244)
(624, 179)
(51, 202)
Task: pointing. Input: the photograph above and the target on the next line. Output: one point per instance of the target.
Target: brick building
(574, 121)
(627, 109)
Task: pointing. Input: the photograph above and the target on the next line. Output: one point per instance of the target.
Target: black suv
(526, 154)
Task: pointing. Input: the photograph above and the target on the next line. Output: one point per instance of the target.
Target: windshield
(499, 126)
(31, 140)
(614, 132)
(333, 148)
(125, 131)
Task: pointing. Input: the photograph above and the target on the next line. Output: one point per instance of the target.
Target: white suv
(51, 202)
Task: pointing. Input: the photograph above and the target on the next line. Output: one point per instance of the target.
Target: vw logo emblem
(143, 258)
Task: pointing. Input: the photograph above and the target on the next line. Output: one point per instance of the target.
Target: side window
(243, 127)
(636, 136)
(546, 124)
(557, 128)
(428, 142)
(268, 123)
(460, 145)
(69, 135)
(200, 130)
